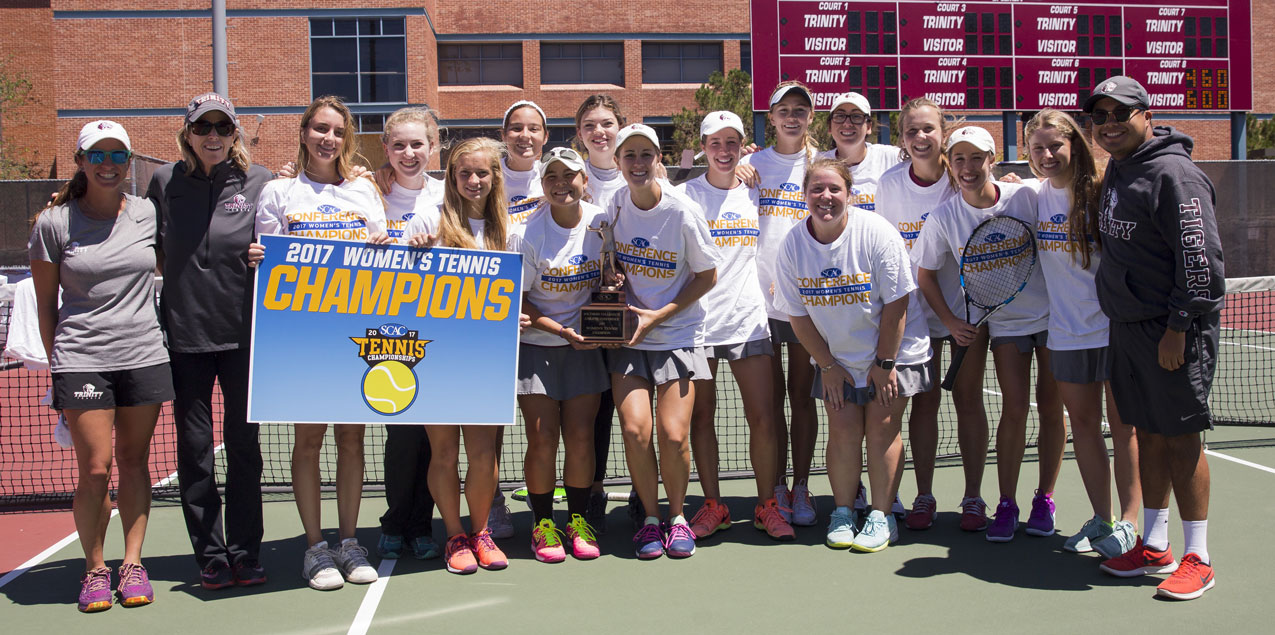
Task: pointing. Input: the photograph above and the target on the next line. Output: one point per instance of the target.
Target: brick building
(469, 60)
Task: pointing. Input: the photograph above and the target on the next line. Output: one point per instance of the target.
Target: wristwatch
(886, 364)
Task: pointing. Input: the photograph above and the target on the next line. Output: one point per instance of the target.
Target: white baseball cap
(784, 90)
(519, 104)
(95, 131)
(720, 120)
(973, 135)
(852, 99)
(633, 130)
(564, 155)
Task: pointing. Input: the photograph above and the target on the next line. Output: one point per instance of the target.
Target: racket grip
(958, 356)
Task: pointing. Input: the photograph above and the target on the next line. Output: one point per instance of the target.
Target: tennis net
(35, 470)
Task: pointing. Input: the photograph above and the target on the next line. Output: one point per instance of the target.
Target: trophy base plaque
(607, 319)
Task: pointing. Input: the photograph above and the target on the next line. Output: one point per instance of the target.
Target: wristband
(829, 366)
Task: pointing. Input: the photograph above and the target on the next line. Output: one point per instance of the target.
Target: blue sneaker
(649, 542)
(680, 542)
(390, 546)
(1005, 523)
(840, 529)
(878, 531)
(424, 548)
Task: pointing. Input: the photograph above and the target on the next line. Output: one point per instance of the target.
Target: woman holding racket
(735, 330)
(96, 245)
(473, 216)
(669, 261)
(905, 195)
(845, 279)
(988, 229)
(410, 139)
(303, 206)
(559, 375)
(781, 170)
(1067, 237)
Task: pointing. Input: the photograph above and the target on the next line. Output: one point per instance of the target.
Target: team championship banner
(346, 332)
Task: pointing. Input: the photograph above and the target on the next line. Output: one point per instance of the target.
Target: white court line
(1232, 459)
(367, 610)
(1260, 348)
(57, 546)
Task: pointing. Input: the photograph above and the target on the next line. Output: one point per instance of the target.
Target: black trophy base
(607, 320)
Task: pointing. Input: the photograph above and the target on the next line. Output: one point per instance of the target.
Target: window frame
(521, 62)
(682, 58)
(359, 37)
(581, 79)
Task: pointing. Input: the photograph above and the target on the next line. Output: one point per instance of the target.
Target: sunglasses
(856, 118)
(202, 128)
(1120, 115)
(565, 153)
(118, 157)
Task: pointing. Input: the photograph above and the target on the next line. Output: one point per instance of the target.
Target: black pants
(193, 375)
(411, 507)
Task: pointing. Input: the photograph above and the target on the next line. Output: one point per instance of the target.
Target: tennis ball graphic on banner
(391, 352)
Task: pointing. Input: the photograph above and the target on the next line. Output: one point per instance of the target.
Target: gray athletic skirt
(660, 367)
(912, 379)
(1083, 366)
(781, 332)
(733, 352)
(1025, 343)
(560, 372)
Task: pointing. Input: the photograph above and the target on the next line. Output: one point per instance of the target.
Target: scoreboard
(1006, 55)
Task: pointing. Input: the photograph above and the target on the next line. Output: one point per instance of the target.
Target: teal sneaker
(389, 546)
(1092, 531)
(876, 533)
(840, 529)
(1122, 540)
(424, 547)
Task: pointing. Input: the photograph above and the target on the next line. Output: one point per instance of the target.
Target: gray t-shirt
(108, 319)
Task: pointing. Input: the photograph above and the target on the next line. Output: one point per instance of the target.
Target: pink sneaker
(546, 542)
(584, 545)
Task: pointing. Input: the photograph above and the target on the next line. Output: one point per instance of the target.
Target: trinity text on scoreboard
(1005, 55)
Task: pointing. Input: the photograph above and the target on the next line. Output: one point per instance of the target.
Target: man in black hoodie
(1161, 283)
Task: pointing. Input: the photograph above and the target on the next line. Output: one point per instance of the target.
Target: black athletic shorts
(113, 388)
(1151, 398)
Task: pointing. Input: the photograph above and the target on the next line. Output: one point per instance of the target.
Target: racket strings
(999, 258)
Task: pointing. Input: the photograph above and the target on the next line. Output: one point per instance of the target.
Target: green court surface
(738, 581)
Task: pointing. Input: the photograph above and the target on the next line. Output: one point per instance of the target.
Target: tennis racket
(560, 494)
(998, 261)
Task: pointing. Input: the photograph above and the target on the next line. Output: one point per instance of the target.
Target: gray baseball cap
(1125, 90)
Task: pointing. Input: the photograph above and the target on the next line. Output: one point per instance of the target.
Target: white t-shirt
(429, 224)
(403, 204)
(434, 188)
(1075, 320)
(660, 250)
(602, 185)
(944, 235)
(560, 267)
(523, 190)
(781, 205)
(906, 204)
(844, 285)
(348, 210)
(735, 311)
(865, 175)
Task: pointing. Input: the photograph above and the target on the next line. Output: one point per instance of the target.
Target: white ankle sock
(1155, 522)
(1197, 533)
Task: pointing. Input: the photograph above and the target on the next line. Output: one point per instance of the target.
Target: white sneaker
(353, 562)
(784, 498)
(876, 533)
(840, 529)
(500, 520)
(803, 508)
(319, 570)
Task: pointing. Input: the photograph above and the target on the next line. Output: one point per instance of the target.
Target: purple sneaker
(135, 586)
(1006, 522)
(217, 575)
(649, 541)
(680, 542)
(1041, 520)
(95, 590)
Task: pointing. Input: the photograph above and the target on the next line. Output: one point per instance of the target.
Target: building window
(582, 63)
(363, 60)
(746, 57)
(479, 64)
(680, 63)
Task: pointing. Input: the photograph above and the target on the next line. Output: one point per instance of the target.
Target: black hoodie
(1161, 255)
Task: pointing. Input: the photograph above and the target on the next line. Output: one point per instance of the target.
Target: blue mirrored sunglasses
(118, 157)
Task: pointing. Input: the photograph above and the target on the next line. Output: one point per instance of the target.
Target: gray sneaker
(500, 520)
(1122, 540)
(319, 569)
(352, 559)
(1092, 531)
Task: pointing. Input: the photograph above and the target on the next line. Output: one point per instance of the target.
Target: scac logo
(924, 216)
(640, 242)
(994, 238)
(392, 330)
(408, 216)
(392, 352)
(328, 209)
(790, 187)
(517, 199)
(731, 216)
(1058, 218)
(577, 259)
(830, 272)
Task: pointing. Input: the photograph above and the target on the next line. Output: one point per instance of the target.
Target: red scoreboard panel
(1008, 55)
